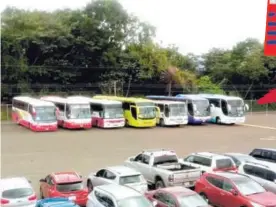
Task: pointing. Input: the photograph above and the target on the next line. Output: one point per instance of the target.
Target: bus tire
(162, 123)
(126, 123)
(218, 121)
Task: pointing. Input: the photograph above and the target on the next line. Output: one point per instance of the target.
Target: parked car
(210, 162)
(262, 172)
(17, 192)
(121, 175)
(56, 202)
(177, 196)
(266, 154)
(229, 189)
(162, 169)
(238, 158)
(64, 184)
(114, 195)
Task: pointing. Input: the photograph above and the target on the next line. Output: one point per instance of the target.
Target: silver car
(114, 195)
(121, 175)
(17, 192)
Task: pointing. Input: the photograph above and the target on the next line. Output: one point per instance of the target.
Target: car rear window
(17, 193)
(224, 163)
(130, 179)
(69, 187)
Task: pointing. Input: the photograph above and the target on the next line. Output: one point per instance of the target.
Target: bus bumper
(44, 128)
(72, 125)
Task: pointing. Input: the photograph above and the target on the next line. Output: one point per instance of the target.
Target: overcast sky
(193, 25)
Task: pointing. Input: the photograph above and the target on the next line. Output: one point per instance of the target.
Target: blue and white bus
(226, 109)
(197, 106)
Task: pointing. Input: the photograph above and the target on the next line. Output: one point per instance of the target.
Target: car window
(189, 158)
(17, 193)
(227, 186)
(259, 172)
(109, 175)
(100, 173)
(237, 162)
(138, 158)
(248, 169)
(270, 175)
(217, 182)
(170, 201)
(103, 199)
(224, 163)
(160, 197)
(49, 180)
(69, 187)
(256, 153)
(202, 161)
(145, 159)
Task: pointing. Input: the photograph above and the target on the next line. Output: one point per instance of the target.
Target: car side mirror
(154, 203)
(234, 192)
(42, 180)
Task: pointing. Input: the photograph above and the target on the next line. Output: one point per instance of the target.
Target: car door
(142, 165)
(227, 198)
(103, 177)
(213, 191)
(161, 198)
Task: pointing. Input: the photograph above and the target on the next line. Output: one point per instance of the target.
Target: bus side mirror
(246, 107)
(212, 106)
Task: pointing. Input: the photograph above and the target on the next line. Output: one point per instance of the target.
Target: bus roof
(176, 98)
(220, 96)
(190, 96)
(99, 101)
(57, 99)
(123, 99)
(167, 102)
(33, 101)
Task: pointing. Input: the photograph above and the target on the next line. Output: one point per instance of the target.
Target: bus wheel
(162, 123)
(126, 123)
(218, 121)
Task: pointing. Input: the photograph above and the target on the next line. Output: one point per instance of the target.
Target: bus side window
(215, 102)
(126, 106)
(134, 112)
(60, 107)
(161, 107)
(190, 108)
(167, 111)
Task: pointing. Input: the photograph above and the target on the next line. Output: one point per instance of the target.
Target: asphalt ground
(34, 155)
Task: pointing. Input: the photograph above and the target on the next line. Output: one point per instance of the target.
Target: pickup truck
(161, 169)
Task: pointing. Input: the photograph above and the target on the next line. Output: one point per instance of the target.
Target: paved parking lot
(34, 155)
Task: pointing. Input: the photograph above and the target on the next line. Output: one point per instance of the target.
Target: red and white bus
(72, 113)
(34, 114)
(105, 113)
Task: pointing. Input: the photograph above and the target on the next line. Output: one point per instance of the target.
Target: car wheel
(159, 184)
(41, 194)
(89, 186)
(204, 196)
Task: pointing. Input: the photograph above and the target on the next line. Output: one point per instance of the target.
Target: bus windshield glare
(45, 114)
(113, 112)
(79, 111)
(177, 109)
(202, 107)
(147, 112)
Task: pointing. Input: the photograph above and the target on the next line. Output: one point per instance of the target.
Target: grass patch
(5, 112)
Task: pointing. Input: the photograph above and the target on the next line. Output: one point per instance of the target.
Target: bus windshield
(147, 112)
(202, 108)
(178, 109)
(45, 114)
(236, 107)
(113, 112)
(79, 111)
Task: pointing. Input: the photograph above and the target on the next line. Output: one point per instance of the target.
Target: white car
(17, 192)
(114, 195)
(209, 162)
(121, 175)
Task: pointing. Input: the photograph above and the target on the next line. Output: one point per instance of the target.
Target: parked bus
(197, 107)
(34, 114)
(226, 109)
(172, 113)
(138, 112)
(105, 113)
(72, 113)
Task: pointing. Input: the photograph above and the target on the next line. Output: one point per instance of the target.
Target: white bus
(172, 113)
(72, 113)
(34, 114)
(226, 109)
(105, 113)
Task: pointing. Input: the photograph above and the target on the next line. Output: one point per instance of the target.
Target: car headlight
(256, 205)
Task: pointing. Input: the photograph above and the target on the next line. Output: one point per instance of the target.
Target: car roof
(266, 164)
(269, 149)
(229, 175)
(66, 177)
(178, 190)
(158, 152)
(211, 155)
(237, 154)
(118, 191)
(123, 170)
(14, 182)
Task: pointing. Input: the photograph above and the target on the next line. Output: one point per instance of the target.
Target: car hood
(266, 198)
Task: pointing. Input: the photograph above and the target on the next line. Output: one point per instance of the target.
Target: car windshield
(165, 159)
(137, 201)
(130, 179)
(45, 114)
(69, 187)
(224, 163)
(113, 112)
(248, 186)
(178, 109)
(192, 201)
(17, 193)
(147, 112)
(202, 108)
(80, 111)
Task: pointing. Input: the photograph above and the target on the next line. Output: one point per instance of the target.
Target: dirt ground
(34, 155)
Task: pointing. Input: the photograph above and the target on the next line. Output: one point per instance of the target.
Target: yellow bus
(138, 112)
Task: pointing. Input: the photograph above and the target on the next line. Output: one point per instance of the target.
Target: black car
(266, 154)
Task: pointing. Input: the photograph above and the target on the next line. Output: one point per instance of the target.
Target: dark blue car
(56, 202)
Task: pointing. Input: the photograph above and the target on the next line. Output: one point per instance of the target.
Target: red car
(233, 190)
(176, 197)
(64, 184)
